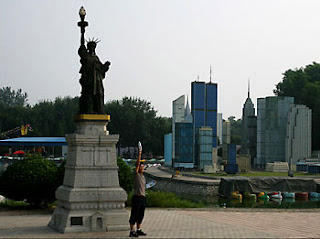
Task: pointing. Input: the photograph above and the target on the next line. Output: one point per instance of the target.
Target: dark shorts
(137, 209)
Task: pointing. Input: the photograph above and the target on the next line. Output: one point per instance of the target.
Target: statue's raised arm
(82, 24)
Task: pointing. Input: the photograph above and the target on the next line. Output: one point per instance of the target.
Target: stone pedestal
(90, 198)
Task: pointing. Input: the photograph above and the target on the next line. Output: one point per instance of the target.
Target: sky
(158, 47)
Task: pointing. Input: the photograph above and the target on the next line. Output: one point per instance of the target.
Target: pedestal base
(71, 221)
(90, 198)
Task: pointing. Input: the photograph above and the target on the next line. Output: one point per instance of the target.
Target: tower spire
(249, 88)
(187, 112)
(210, 73)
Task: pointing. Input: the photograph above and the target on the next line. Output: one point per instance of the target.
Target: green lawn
(257, 174)
(167, 200)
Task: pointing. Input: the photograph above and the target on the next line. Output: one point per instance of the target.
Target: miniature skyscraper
(249, 129)
(204, 112)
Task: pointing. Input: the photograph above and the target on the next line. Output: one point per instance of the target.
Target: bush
(8, 203)
(125, 175)
(33, 179)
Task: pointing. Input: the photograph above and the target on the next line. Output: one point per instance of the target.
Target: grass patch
(257, 174)
(154, 199)
(212, 174)
(275, 174)
(9, 204)
(166, 200)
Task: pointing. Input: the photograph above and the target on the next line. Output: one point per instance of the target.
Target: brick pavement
(263, 224)
(186, 223)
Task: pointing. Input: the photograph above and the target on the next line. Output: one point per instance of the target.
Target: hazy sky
(157, 48)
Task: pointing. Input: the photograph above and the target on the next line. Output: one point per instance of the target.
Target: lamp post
(82, 24)
(290, 172)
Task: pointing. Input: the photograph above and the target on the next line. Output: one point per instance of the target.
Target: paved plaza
(182, 223)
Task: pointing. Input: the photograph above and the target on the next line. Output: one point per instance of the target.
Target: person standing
(138, 198)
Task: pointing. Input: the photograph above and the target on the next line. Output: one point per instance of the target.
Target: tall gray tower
(249, 129)
(272, 123)
(298, 138)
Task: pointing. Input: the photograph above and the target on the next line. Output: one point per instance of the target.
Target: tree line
(133, 119)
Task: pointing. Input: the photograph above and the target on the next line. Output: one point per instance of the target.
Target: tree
(13, 108)
(135, 120)
(12, 117)
(44, 119)
(11, 97)
(161, 127)
(304, 85)
(65, 110)
(54, 118)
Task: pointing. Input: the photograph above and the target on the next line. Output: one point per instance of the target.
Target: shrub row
(35, 180)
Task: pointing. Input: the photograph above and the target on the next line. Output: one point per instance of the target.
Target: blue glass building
(184, 145)
(198, 103)
(204, 111)
(168, 149)
(211, 110)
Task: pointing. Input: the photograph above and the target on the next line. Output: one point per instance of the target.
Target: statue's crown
(95, 41)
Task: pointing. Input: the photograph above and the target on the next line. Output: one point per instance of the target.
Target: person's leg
(134, 211)
(139, 230)
(131, 227)
(140, 217)
(138, 226)
(133, 216)
(133, 233)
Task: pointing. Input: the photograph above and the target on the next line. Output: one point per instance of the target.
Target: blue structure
(198, 103)
(232, 154)
(38, 142)
(168, 149)
(184, 145)
(231, 167)
(314, 168)
(34, 141)
(198, 113)
(204, 111)
(302, 167)
(211, 110)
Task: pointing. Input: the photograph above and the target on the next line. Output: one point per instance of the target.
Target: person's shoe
(133, 234)
(141, 233)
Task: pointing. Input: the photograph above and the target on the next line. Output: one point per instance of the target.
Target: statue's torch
(82, 24)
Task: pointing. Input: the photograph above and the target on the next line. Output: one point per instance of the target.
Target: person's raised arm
(139, 158)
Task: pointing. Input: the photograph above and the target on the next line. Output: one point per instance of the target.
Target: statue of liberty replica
(90, 198)
(92, 73)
